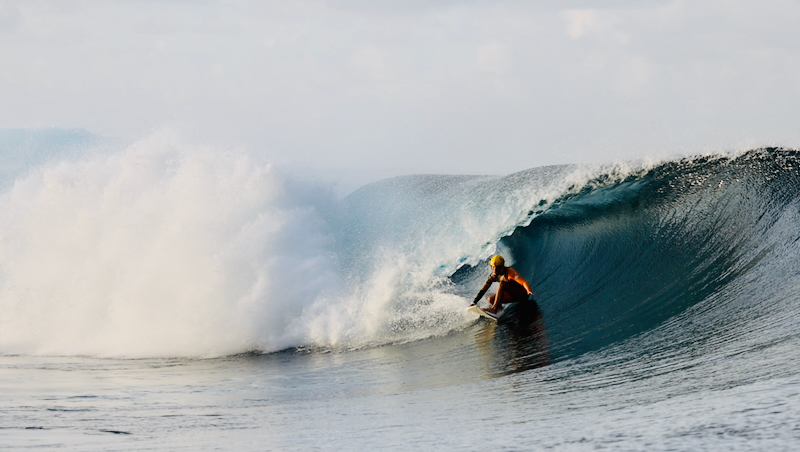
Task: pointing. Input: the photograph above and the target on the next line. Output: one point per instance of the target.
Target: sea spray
(161, 249)
(394, 302)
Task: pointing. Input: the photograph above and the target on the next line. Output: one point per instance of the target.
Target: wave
(702, 241)
(166, 249)
(613, 252)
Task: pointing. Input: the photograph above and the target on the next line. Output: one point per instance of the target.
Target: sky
(376, 88)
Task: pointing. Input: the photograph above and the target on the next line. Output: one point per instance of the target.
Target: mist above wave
(158, 249)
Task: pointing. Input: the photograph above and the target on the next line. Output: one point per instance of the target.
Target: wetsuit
(511, 283)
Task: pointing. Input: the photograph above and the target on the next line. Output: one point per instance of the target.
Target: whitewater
(165, 295)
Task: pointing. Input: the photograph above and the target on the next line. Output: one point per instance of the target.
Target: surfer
(512, 287)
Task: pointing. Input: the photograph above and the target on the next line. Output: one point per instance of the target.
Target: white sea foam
(160, 249)
(169, 249)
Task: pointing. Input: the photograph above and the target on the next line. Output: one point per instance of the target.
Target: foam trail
(397, 301)
(159, 250)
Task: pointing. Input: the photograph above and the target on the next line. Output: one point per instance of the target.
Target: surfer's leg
(498, 298)
(507, 298)
(493, 306)
(514, 293)
(490, 299)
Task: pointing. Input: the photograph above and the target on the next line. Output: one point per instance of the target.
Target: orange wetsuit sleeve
(512, 274)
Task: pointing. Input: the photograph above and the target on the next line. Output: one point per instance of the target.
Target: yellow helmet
(498, 261)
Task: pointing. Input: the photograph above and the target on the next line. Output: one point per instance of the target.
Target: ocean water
(159, 295)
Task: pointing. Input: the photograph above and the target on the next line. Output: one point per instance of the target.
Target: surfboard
(475, 309)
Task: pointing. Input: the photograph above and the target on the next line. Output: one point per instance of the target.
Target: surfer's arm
(525, 284)
(483, 291)
(516, 277)
(480, 294)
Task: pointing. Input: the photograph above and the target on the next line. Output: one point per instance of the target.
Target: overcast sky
(390, 87)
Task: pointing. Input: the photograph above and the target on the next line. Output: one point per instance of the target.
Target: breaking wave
(166, 249)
